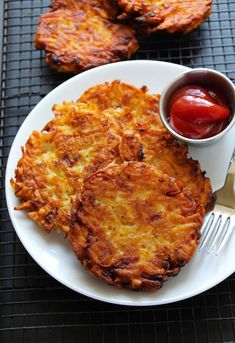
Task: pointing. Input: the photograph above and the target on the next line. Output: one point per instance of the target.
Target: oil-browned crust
(55, 161)
(171, 15)
(130, 107)
(134, 226)
(171, 157)
(79, 35)
(109, 7)
(135, 115)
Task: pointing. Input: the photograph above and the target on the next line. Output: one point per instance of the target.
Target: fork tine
(213, 231)
(206, 222)
(226, 235)
(206, 230)
(217, 233)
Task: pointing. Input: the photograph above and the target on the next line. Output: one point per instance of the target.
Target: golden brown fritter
(134, 226)
(171, 15)
(135, 114)
(75, 144)
(79, 35)
(170, 157)
(132, 108)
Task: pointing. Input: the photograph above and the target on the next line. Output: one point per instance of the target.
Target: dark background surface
(35, 307)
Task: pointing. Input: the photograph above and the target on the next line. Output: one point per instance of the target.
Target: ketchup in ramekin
(197, 112)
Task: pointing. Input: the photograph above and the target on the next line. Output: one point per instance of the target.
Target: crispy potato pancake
(144, 138)
(134, 226)
(55, 161)
(170, 157)
(79, 35)
(171, 15)
(132, 108)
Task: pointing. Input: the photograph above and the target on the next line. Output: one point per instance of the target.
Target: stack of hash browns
(106, 173)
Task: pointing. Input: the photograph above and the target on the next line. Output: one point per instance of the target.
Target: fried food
(134, 226)
(171, 16)
(132, 108)
(79, 35)
(170, 157)
(107, 173)
(144, 138)
(55, 161)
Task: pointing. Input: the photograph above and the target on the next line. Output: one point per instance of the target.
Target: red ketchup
(197, 112)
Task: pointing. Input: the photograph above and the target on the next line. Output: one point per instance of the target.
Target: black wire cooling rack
(35, 307)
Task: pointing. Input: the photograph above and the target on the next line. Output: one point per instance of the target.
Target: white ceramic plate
(52, 251)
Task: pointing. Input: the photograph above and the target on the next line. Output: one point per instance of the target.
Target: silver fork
(219, 225)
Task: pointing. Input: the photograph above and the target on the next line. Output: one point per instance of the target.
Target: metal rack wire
(35, 307)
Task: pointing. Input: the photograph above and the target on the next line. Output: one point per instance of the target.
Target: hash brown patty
(79, 35)
(132, 108)
(171, 157)
(134, 226)
(171, 15)
(135, 115)
(55, 161)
